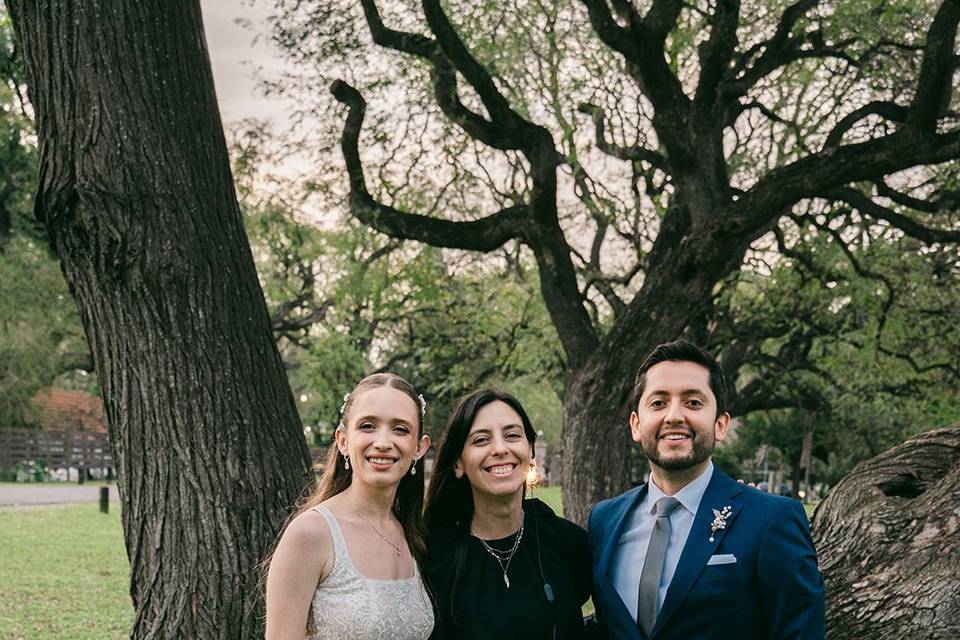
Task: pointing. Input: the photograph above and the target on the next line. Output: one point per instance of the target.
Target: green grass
(551, 495)
(63, 574)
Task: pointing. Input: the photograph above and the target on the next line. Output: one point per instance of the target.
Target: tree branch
(6, 220)
(863, 272)
(634, 153)
(282, 323)
(715, 56)
(775, 117)
(882, 108)
(444, 77)
(914, 229)
(478, 77)
(535, 222)
(953, 370)
(482, 235)
(781, 49)
(818, 174)
(616, 37)
(642, 46)
(412, 43)
(935, 83)
(661, 19)
(926, 206)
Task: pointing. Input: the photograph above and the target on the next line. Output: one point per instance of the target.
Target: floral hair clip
(346, 398)
(423, 405)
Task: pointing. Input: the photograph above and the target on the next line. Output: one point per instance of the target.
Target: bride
(346, 564)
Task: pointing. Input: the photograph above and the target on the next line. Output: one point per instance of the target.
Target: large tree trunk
(674, 300)
(136, 193)
(888, 537)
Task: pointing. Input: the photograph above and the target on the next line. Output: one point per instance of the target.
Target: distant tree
(867, 342)
(136, 197)
(41, 338)
(17, 170)
(40, 333)
(715, 131)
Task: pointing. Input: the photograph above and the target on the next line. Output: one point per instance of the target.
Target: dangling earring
(346, 462)
(413, 468)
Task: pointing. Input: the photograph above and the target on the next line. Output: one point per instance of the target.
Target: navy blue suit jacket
(773, 591)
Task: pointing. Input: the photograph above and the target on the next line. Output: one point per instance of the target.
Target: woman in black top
(498, 566)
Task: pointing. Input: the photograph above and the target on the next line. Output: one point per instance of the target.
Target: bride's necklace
(375, 530)
(504, 558)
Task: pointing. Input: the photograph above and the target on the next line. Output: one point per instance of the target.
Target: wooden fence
(58, 449)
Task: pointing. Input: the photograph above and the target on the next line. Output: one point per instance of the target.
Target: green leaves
(41, 339)
(40, 332)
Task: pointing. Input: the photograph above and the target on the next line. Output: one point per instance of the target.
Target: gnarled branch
(818, 174)
(484, 235)
(937, 69)
(884, 109)
(635, 153)
(912, 228)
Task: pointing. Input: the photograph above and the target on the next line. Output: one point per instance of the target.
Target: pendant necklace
(375, 530)
(504, 558)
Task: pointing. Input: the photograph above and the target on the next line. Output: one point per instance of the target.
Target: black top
(483, 606)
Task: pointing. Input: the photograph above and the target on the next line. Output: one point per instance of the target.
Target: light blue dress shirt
(632, 546)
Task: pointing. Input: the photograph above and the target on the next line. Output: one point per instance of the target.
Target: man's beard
(701, 449)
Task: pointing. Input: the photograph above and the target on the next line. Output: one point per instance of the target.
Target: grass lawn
(63, 574)
(551, 495)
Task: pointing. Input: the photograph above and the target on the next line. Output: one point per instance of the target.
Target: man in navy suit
(692, 554)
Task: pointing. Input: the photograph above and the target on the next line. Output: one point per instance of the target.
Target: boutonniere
(719, 520)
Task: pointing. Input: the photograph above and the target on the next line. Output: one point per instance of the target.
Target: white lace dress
(349, 606)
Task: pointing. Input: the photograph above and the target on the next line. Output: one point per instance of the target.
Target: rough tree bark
(136, 193)
(888, 537)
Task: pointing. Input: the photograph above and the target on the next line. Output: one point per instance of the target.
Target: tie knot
(666, 506)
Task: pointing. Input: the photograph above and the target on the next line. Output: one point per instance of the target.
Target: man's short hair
(683, 351)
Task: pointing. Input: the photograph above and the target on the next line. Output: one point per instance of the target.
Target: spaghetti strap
(339, 544)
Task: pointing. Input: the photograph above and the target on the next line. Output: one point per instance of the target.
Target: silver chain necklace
(504, 558)
(375, 530)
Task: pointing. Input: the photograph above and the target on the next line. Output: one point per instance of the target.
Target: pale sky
(232, 51)
(234, 54)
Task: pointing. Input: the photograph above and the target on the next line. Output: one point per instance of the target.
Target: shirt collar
(689, 497)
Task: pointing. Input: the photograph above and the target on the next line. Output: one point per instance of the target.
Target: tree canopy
(648, 156)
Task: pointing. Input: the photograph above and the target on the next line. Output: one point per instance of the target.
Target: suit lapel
(698, 548)
(618, 519)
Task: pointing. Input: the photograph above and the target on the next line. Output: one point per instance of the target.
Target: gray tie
(653, 565)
